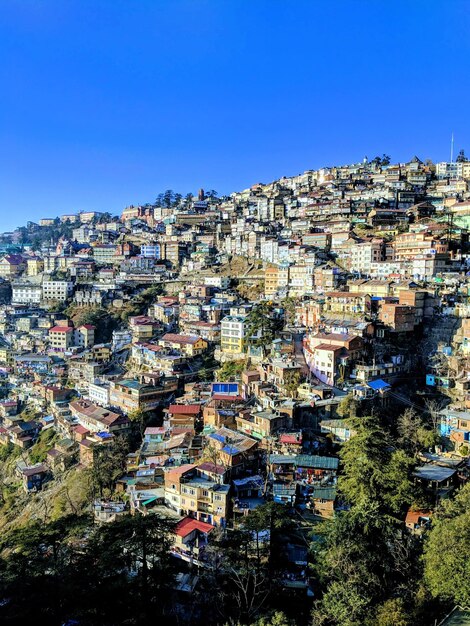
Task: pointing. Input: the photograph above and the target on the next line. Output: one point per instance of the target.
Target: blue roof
(230, 450)
(378, 385)
(103, 435)
(218, 437)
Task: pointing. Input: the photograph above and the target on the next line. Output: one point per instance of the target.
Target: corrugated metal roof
(305, 460)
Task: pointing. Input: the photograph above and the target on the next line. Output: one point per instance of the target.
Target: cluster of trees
(231, 371)
(370, 569)
(262, 324)
(68, 571)
(385, 159)
(246, 567)
(37, 235)
(170, 199)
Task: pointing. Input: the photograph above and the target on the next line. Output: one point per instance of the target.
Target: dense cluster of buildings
(344, 281)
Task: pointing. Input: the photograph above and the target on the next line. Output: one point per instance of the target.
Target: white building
(453, 170)
(121, 339)
(232, 334)
(363, 255)
(26, 293)
(98, 393)
(221, 282)
(56, 290)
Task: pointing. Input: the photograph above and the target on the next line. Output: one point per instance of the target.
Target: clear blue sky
(105, 103)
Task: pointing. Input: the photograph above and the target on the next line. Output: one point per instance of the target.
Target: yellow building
(190, 491)
(232, 334)
(275, 278)
(35, 266)
(191, 345)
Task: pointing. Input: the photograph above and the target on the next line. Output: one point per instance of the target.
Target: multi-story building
(233, 450)
(191, 345)
(130, 395)
(261, 424)
(409, 245)
(26, 293)
(97, 419)
(153, 357)
(98, 393)
(399, 317)
(56, 290)
(189, 491)
(105, 254)
(344, 302)
(330, 356)
(232, 334)
(11, 265)
(35, 266)
(150, 251)
(61, 337)
(362, 255)
(84, 336)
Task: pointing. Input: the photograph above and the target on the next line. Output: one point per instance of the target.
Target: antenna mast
(452, 148)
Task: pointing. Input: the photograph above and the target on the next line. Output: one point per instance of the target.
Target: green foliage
(278, 618)
(364, 555)
(104, 322)
(344, 604)
(230, 370)
(292, 383)
(119, 573)
(414, 433)
(9, 451)
(45, 441)
(446, 564)
(141, 302)
(348, 406)
(244, 566)
(347, 562)
(289, 305)
(262, 324)
(392, 613)
(109, 463)
(373, 471)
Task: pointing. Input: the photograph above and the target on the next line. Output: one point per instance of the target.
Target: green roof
(305, 460)
(458, 617)
(324, 493)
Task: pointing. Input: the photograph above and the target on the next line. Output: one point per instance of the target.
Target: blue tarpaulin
(378, 385)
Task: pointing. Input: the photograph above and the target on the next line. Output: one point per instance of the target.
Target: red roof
(88, 326)
(184, 409)
(155, 430)
(291, 438)
(413, 517)
(212, 468)
(227, 397)
(183, 339)
(327, 347)
(81, 430)
(188, 525)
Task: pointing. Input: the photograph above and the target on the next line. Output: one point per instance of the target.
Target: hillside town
(241, 373)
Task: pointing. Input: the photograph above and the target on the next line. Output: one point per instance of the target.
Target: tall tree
(447, 567)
